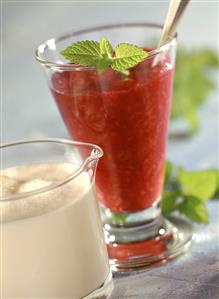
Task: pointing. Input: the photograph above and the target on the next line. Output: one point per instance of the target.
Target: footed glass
(128, 117)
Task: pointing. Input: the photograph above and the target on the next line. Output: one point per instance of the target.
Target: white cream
(52, 244)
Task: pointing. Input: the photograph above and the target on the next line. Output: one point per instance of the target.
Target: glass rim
(68, 177)
(69, 66)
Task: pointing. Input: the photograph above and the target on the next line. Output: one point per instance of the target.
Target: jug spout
(91, 154)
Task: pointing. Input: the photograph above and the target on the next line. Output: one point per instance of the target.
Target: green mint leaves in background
(192, 84)
(187, 191)
(101, 55)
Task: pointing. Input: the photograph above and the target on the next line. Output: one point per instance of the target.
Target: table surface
(194, 275)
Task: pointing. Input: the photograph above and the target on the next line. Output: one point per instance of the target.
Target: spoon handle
(174, 15)
(173, 5)
(179, 13)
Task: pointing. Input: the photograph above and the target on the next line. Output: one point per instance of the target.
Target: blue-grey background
(28, 109)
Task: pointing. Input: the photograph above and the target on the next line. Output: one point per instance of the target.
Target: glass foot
(104, 291)
(173, 237)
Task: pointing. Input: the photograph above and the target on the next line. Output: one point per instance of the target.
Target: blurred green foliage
(187, 191)
(192, 84)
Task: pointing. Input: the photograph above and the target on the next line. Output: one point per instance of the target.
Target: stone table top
(194, 275)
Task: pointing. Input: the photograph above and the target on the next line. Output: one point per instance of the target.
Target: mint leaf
(168, 171)
(100, 55)
(127, 56)
(85, 53)
(103, 63)
(201, 184)
(169, 202)
(106, 47)
(215, 172)
(194, 209)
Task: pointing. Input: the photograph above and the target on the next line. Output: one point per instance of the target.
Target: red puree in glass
(128, 118)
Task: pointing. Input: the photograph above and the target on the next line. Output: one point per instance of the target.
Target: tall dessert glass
(52, 241)
(128, 117)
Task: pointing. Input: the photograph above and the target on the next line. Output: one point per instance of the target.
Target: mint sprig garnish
(101, 55)
(187, 191)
